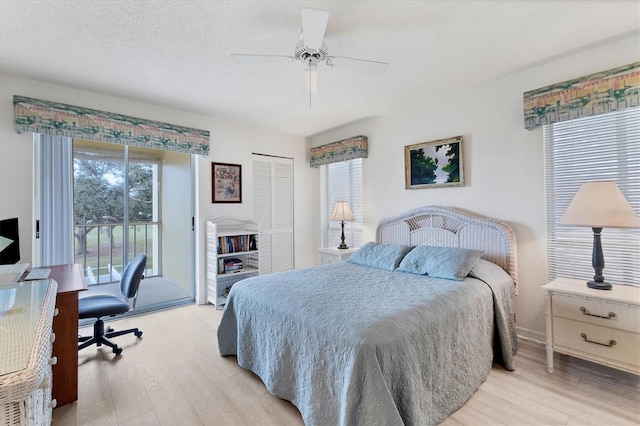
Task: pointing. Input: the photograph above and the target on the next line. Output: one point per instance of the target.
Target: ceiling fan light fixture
(310, 86)
(312, 50)
(303, 52)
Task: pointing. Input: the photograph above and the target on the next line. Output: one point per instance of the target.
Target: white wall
(503, 162)
(230, 142)
(236, 146)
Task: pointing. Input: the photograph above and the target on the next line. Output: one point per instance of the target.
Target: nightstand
(334, 254)
(601, 326)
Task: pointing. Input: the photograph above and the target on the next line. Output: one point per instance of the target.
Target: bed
(374, 340)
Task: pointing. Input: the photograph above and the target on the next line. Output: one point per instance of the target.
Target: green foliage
(422, 168)
(99, 192)
(140, 193)
(99, 195)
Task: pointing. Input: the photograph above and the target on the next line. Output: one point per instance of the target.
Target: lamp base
(599, 285)
(342, 245)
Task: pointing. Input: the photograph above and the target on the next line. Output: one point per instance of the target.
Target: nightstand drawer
(597, 341)
(598, 312)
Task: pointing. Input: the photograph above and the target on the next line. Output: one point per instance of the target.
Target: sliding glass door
(119, 213)
(115, 211)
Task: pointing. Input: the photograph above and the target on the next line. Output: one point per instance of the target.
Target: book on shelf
(232, 264)
(237, 243)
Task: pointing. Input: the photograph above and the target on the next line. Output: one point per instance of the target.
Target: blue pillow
(451, 263)
(382, 256)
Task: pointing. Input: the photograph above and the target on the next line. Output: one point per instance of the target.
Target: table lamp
(600, 205)
(342, 212)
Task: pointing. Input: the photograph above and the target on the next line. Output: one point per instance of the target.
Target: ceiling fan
(312, 50)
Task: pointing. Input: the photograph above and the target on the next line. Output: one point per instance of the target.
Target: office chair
(107, 305)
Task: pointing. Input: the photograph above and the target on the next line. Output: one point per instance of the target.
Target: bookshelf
(232, 255)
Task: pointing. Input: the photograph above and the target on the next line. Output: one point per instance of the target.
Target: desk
(26, 314)
(70, 281)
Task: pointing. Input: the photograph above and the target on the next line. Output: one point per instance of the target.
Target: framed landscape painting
(434, 164)
(226, 183)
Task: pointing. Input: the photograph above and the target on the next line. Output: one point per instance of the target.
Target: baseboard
(533, 336)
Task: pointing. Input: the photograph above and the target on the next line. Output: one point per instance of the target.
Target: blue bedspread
(354, 345)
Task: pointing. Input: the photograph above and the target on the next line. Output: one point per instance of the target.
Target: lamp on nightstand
(342, 212)
(600, 205)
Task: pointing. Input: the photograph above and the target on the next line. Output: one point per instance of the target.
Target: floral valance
(53, 118)
(346, 149)
(611, 90)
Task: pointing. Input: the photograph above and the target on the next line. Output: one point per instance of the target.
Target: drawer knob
(586, 312)
(53, 403)
(56, 311)
(53, 360)
(610, 344)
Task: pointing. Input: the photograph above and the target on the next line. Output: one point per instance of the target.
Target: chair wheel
(117, 350)
(138, 333)
(109, 329)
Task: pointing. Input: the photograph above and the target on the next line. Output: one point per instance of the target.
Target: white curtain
(54, 199)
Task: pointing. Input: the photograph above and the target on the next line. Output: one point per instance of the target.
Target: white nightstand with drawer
(334, 254)
(602, 326)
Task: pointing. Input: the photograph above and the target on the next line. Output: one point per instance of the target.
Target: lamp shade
(342, 212)
(600, 205)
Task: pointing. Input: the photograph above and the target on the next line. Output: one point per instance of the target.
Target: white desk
(26, 318)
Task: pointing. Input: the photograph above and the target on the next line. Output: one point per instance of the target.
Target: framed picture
(226, 183)
(435, 164)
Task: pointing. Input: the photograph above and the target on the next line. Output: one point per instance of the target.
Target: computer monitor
(9, 241)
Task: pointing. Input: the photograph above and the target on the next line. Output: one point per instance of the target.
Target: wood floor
(174, 376)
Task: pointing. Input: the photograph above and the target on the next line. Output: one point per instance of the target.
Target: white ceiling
(176, 53)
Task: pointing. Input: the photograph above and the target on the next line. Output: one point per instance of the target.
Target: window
(598, 148)
(343, 182)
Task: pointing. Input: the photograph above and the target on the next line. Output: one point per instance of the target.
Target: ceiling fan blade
(361, 65)
(260, 58)
(314, 24)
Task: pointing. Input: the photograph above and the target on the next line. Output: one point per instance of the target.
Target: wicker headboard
(451, 227)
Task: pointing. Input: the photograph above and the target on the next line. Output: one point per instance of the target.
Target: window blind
(54, 199)
(344, 183)
(596, 148)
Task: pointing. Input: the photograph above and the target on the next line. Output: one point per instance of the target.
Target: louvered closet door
(273, 210)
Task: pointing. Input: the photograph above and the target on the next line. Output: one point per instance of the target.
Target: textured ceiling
(176, 53)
